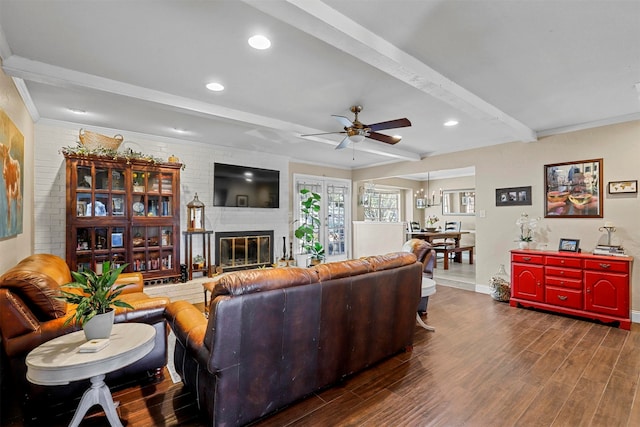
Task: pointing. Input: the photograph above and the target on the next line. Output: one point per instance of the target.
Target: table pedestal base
(98, 394)
(424, 325)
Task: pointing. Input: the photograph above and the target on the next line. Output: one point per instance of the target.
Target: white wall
(522, 164)
(50, 204)
(15, 248)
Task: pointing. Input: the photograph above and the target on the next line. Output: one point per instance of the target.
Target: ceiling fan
(356, 131)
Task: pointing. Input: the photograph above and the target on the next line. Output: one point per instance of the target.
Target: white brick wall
(50, 183)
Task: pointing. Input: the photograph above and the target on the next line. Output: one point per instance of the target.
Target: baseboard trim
(484, 289)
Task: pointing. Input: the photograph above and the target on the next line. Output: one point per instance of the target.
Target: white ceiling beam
(325, 23)
(23, 68)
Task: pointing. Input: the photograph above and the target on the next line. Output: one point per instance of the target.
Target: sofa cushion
(389, 261)
(338, 270)
(36, 280)
(250, 281)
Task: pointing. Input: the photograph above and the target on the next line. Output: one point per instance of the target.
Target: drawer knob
(562, 261)
(603, 265)
(527, 258)
(562, 297)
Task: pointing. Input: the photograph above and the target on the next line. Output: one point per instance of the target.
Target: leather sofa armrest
(189, 326)
(146, 309)
(133, 281)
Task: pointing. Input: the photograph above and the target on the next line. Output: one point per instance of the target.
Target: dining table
(430, 236)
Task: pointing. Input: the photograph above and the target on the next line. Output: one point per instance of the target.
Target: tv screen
(245, 187)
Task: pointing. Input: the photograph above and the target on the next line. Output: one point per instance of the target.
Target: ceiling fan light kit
(357, 131)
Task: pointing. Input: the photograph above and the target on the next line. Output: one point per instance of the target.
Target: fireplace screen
(239, 250)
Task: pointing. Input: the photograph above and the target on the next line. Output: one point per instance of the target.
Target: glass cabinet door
(125, 212)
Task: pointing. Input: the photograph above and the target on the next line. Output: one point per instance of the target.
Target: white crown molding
(590, 125)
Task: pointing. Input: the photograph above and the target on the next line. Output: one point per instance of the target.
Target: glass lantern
(195, 215)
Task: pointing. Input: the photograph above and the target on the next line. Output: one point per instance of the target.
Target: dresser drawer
(563, 297)
(564, 262)
(563, 282)
(563, 272)
(526, 258)
(607, 265)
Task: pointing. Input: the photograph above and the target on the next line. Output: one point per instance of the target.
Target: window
(382, 206)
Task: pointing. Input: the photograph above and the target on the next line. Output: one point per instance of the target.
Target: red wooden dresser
(592, 286)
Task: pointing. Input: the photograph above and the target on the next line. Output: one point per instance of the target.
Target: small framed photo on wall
(513, 196)
(619, 187)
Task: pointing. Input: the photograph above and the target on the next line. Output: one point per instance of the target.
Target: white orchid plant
(527, 227)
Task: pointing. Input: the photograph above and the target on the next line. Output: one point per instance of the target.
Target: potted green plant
(198, 262)
(96, 299)
(309, 223)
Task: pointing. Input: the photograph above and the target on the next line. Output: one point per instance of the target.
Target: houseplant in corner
(95, 300)
(309, 223)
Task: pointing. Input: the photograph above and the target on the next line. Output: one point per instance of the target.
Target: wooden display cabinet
(592, 286)
(125, 212)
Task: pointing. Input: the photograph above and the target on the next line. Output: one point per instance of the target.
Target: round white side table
(58, 362)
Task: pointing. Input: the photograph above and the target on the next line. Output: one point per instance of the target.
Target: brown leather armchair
(30, 314)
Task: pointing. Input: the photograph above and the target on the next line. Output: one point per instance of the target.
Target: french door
(335, 213)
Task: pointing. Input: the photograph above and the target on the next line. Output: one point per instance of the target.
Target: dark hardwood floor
(487, 364)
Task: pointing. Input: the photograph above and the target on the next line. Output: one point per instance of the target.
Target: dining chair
(448, 242)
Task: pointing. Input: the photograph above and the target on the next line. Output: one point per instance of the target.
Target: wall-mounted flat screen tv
(245, 187)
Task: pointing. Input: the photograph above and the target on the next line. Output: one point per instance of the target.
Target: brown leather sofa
(30, 314)
(274, 336)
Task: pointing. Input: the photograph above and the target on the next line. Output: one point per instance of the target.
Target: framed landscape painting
(573, 189)
(11, 178)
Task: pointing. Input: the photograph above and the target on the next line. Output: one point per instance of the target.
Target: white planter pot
(99, 326)
(523, 245)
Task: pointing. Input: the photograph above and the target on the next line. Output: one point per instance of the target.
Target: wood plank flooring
(487, 364)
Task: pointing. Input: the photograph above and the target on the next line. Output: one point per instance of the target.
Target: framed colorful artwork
(573, 189)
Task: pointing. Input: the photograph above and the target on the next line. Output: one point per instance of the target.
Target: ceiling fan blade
(391, 124)
(343, 121)
(343, 144)
(384, 138)
(323, 133)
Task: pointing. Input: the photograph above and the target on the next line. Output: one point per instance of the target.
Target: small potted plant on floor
(95, 299)
(310, 222)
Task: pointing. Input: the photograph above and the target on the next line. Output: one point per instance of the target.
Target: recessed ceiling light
(451, 123)
(215, 87)
(77, 111)
(259, 42)
(178, 130)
